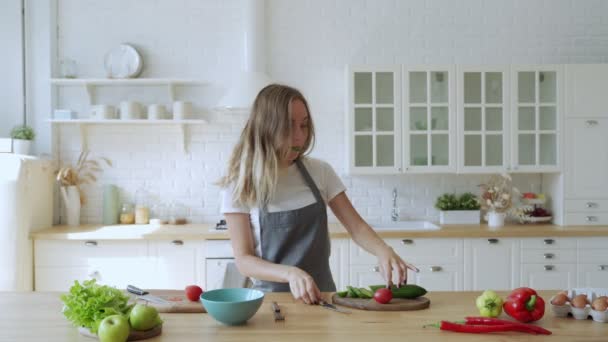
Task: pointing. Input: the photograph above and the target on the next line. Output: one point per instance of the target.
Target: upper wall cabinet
(429, 124)
(587, 90)
(536, 102)
(374, 123)
(483, 119)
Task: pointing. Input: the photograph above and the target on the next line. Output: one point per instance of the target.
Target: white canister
(130, 110)
(102, 112)
(157, 112)
(496, 219)
(182, 110)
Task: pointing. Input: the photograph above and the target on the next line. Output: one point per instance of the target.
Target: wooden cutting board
(181, 304)
(396, 304)
(134, 335)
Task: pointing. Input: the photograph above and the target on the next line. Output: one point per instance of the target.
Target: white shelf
(125, 122)
(124, 81)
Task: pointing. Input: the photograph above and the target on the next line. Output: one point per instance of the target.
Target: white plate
(123, 61)
(538, 219)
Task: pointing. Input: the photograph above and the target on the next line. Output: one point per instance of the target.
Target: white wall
(11, 94)
(309, 43)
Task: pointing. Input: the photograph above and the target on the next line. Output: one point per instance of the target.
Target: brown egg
(600, 304)
(565, 293)
(579, 301)
(559, 299)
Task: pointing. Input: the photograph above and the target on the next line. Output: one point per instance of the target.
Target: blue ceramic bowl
(232, 306)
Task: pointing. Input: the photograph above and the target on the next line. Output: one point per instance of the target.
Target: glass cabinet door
(482, 108)
(536, 118)
(428, 125)
(374, 102)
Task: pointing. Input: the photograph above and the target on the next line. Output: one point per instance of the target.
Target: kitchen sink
(404, 225)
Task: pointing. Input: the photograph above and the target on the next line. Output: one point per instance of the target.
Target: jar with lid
(127, 216)
(142, 212)
(178, 214)
(158, 214)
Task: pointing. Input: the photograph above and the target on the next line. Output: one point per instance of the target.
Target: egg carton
(587, 311)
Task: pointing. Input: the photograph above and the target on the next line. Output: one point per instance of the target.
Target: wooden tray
(134, 335)
(396, 304)
(181, 304)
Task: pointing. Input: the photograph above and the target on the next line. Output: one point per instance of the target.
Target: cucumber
(367, 293)
(376, 287)
(405, 291)
(358, 293)
(350, 292)
(342, 294)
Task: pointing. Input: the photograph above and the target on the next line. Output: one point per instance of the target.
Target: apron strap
(309, 180)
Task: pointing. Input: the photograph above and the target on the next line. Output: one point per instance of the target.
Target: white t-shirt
(292, 192)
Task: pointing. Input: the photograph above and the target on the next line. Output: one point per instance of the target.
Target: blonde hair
(254, 163)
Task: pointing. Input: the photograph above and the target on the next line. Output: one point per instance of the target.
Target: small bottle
(142, 212)
(126, 214)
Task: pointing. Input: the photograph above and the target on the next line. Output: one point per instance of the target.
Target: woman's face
(299, 129)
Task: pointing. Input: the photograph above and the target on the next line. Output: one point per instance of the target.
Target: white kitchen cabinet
(114, 263)
(548, 276)
(338, 262)
(364, 276)
(483, 119)
(438, 277)
(429, 119)
(374, 120)
(491, 263)
(176, 263)
(586, 90)
(592, 262)
(593, 275)
(215, 270)
(536, 107)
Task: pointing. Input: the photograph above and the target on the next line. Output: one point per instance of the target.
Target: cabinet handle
(602, 267)
(591, 205)
(94, 274)
(407, 241)
(549, 267)
(492, 241)
(90, 243)
(177, 242)
(591, 123)
(549, 255)
(435, 268)
(549, 241)
(376, 269)
(590, 218)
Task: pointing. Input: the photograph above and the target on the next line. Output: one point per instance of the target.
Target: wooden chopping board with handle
(180, 304)
(396, 304)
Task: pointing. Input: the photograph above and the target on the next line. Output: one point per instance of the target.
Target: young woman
(274, 199)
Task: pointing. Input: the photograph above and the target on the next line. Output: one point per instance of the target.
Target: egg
(565, 293)
(600, 304)
(559, 299)
(579, 301)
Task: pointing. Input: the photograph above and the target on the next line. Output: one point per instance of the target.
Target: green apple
(144, 317)
(114, 328)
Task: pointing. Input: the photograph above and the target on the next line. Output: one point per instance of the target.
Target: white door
(176, 263)
(429, 119)
(586, 168)
(491, 263)
(364, 276)
(373, 120)
(483, 125)
(215, 270)
(593, 275)
(548, 276)
(536, 106)
(338, 262)
(437, 277)
(587, 84)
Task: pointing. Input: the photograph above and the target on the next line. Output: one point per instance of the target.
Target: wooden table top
(37, 316)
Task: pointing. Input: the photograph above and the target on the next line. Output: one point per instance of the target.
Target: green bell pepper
(489, 304)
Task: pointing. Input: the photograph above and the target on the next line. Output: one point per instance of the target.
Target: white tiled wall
(308, 45)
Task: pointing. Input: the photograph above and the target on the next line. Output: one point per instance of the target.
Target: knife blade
(328, 306)
(145, 295)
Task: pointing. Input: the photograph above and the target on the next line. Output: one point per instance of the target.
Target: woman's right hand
(303, 286)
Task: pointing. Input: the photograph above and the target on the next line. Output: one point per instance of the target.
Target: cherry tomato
(383, 295)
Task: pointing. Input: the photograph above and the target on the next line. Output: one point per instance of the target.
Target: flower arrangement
(82, 173)
(497, 193)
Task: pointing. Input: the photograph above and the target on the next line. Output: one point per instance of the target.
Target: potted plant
(22, 139)
(463, 209)
(497, 198)
(71, 178)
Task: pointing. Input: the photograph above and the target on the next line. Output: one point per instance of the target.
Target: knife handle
(136, 290)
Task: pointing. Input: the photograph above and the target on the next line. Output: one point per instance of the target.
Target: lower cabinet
(549, 277)
(491, 263)
(176, 263)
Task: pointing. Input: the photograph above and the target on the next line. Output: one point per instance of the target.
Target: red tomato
(193, 292)
(383, 295)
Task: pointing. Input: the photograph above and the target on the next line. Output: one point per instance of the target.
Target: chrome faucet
(395, 210)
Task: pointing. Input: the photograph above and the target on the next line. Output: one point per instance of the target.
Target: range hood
(252, 77)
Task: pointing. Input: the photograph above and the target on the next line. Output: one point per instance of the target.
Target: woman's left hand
(391, 263)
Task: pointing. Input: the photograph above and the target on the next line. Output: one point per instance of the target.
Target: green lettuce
(87, 304)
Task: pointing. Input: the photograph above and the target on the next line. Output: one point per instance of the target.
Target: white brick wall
(309, 43)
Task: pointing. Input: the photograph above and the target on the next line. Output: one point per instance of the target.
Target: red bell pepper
(525, 305)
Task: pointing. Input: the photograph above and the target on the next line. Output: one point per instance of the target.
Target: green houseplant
(463, 209)
(22, 139)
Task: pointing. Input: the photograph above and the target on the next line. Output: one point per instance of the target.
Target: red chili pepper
(482, 329)
(496, 321)
(525, 305)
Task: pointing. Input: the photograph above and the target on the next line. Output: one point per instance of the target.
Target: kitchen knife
(328, 306)
(145, 295)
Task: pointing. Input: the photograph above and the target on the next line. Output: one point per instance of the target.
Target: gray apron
(298, 238)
